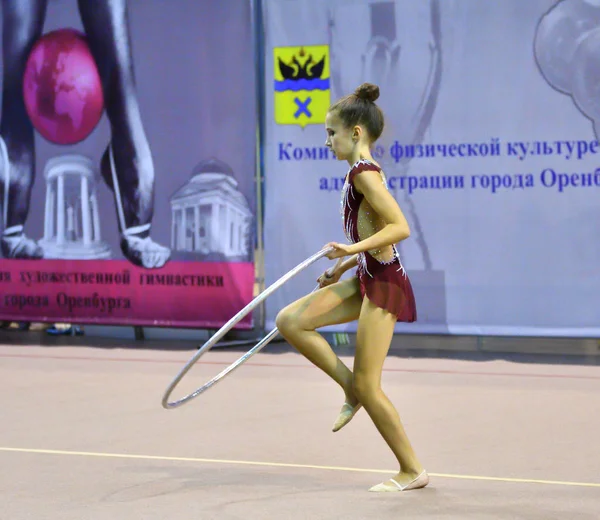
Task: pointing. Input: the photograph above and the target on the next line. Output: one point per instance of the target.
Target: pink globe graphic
(62, 87)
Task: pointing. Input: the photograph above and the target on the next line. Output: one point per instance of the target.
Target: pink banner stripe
(181, 294)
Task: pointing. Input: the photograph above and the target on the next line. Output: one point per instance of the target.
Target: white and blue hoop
(227, 327)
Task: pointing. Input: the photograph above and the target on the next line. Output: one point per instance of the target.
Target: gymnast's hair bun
(367, 92)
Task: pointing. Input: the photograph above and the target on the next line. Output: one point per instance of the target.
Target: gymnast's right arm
(349, 264)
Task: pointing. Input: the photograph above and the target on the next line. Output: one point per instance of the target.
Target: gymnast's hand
(339, 250)
(328, 278)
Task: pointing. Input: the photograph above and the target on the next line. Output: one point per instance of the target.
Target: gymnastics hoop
(225, 328)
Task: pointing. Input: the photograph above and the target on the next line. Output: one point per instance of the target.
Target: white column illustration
(60, 210)
(72, 220)
(227, 235)
(240, 227)
(85, 212)
(239, 234)
(214, 227)
(76, 209)
(182, 229)
(49, 212)
(234, 232)
(197, 227)
(95, 219)
(173, 227)
(223, 225)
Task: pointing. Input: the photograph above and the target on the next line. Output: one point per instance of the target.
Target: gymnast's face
(339, 138)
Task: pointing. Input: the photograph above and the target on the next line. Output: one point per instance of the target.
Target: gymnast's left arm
(381, 200)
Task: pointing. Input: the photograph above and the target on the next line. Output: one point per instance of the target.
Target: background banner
(127, 161)
(490, 148)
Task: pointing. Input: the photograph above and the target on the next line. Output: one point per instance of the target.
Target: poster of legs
(127, 161)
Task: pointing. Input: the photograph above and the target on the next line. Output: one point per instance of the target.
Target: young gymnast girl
(379, 295)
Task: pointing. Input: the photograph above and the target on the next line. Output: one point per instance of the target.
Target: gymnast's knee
(365, 388)
(285, 322)
(289, 323)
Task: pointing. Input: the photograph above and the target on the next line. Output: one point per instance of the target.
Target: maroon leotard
(386, 284)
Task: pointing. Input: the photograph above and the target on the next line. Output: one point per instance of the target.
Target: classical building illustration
(71, 217)
(210, 216)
